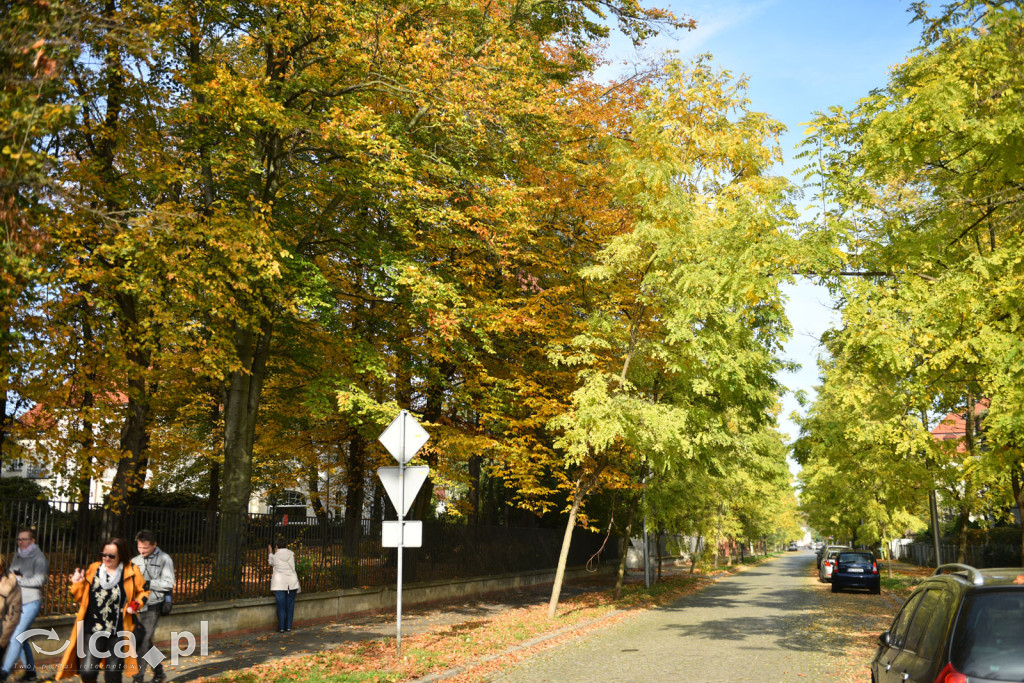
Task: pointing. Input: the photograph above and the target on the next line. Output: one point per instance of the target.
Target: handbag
(166, 605)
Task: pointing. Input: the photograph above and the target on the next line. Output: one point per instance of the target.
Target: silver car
(828, 562)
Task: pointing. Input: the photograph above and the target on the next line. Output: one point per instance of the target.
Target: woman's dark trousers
(90, 666)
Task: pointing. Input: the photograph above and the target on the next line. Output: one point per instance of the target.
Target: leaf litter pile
(847, 624)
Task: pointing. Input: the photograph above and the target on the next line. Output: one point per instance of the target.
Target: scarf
(27, 551)
(108, 580)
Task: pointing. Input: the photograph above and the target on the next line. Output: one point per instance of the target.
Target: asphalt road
(769, 623)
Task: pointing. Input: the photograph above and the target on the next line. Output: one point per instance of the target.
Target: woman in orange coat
(109, 593)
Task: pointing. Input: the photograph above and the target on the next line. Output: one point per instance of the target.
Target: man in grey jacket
(158, 569)
(31, 567)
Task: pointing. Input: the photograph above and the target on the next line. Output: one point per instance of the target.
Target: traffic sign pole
(402, 440)
(401, 537)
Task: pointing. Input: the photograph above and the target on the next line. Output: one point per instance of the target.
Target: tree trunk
(625, 553)
(961, 537)
(212, 505)
(213, 495)
(563, 556)
(473, 498)
(213, 499)
(936, 538)
(130, 476)
(965, 506)
(661, 555)
(377, 514)
(316, 499)
(7, 421)
(244, 389)
(718, 535)
(1018, 497)
(432, 412)
(83, 551)
(355, 494)
(886, 550)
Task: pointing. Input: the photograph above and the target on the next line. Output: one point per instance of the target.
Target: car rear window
(989, 635)
(856, 557)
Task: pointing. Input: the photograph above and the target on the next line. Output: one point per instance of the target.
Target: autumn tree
(677, 362)
(36, 42)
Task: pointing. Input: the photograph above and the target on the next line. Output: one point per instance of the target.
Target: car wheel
(876, 590)
(835, 588)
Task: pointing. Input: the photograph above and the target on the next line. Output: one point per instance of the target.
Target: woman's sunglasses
(108, 556)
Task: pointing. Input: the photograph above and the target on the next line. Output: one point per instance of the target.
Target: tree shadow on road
(821, 622)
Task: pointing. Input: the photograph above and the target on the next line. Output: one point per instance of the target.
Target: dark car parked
(856, 570)
(961, 624)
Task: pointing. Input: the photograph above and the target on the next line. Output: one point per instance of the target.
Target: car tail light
(950, 675)
(874, 567)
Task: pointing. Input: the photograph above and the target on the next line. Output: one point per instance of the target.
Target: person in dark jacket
(31, 567)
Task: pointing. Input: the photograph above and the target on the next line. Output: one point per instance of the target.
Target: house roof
(38, 418)
(954, 426)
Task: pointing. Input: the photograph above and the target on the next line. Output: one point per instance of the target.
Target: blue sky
(800, 57)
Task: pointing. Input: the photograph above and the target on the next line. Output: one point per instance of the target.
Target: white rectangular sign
(391, 535)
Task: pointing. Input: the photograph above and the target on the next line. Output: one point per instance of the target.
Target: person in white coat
(284, 583)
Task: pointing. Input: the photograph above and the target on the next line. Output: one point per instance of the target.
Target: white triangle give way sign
(414, 478)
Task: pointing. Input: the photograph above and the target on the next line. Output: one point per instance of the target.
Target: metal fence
(980, 556)
(71, 535)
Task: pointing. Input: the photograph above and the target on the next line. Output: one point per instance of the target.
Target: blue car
(855, 569)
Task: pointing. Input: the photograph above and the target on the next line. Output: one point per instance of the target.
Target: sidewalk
(232, 653)
(242, 651)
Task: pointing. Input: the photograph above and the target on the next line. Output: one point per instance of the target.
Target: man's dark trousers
(146, 623)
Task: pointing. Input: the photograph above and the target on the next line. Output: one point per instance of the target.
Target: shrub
(19, 488)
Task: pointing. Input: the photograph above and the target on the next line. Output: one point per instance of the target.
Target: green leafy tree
(924, 179)
(677, 361)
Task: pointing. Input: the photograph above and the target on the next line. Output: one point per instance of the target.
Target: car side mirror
(884, 639)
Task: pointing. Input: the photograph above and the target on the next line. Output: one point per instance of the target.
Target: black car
(856, 570)
(961, 624)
